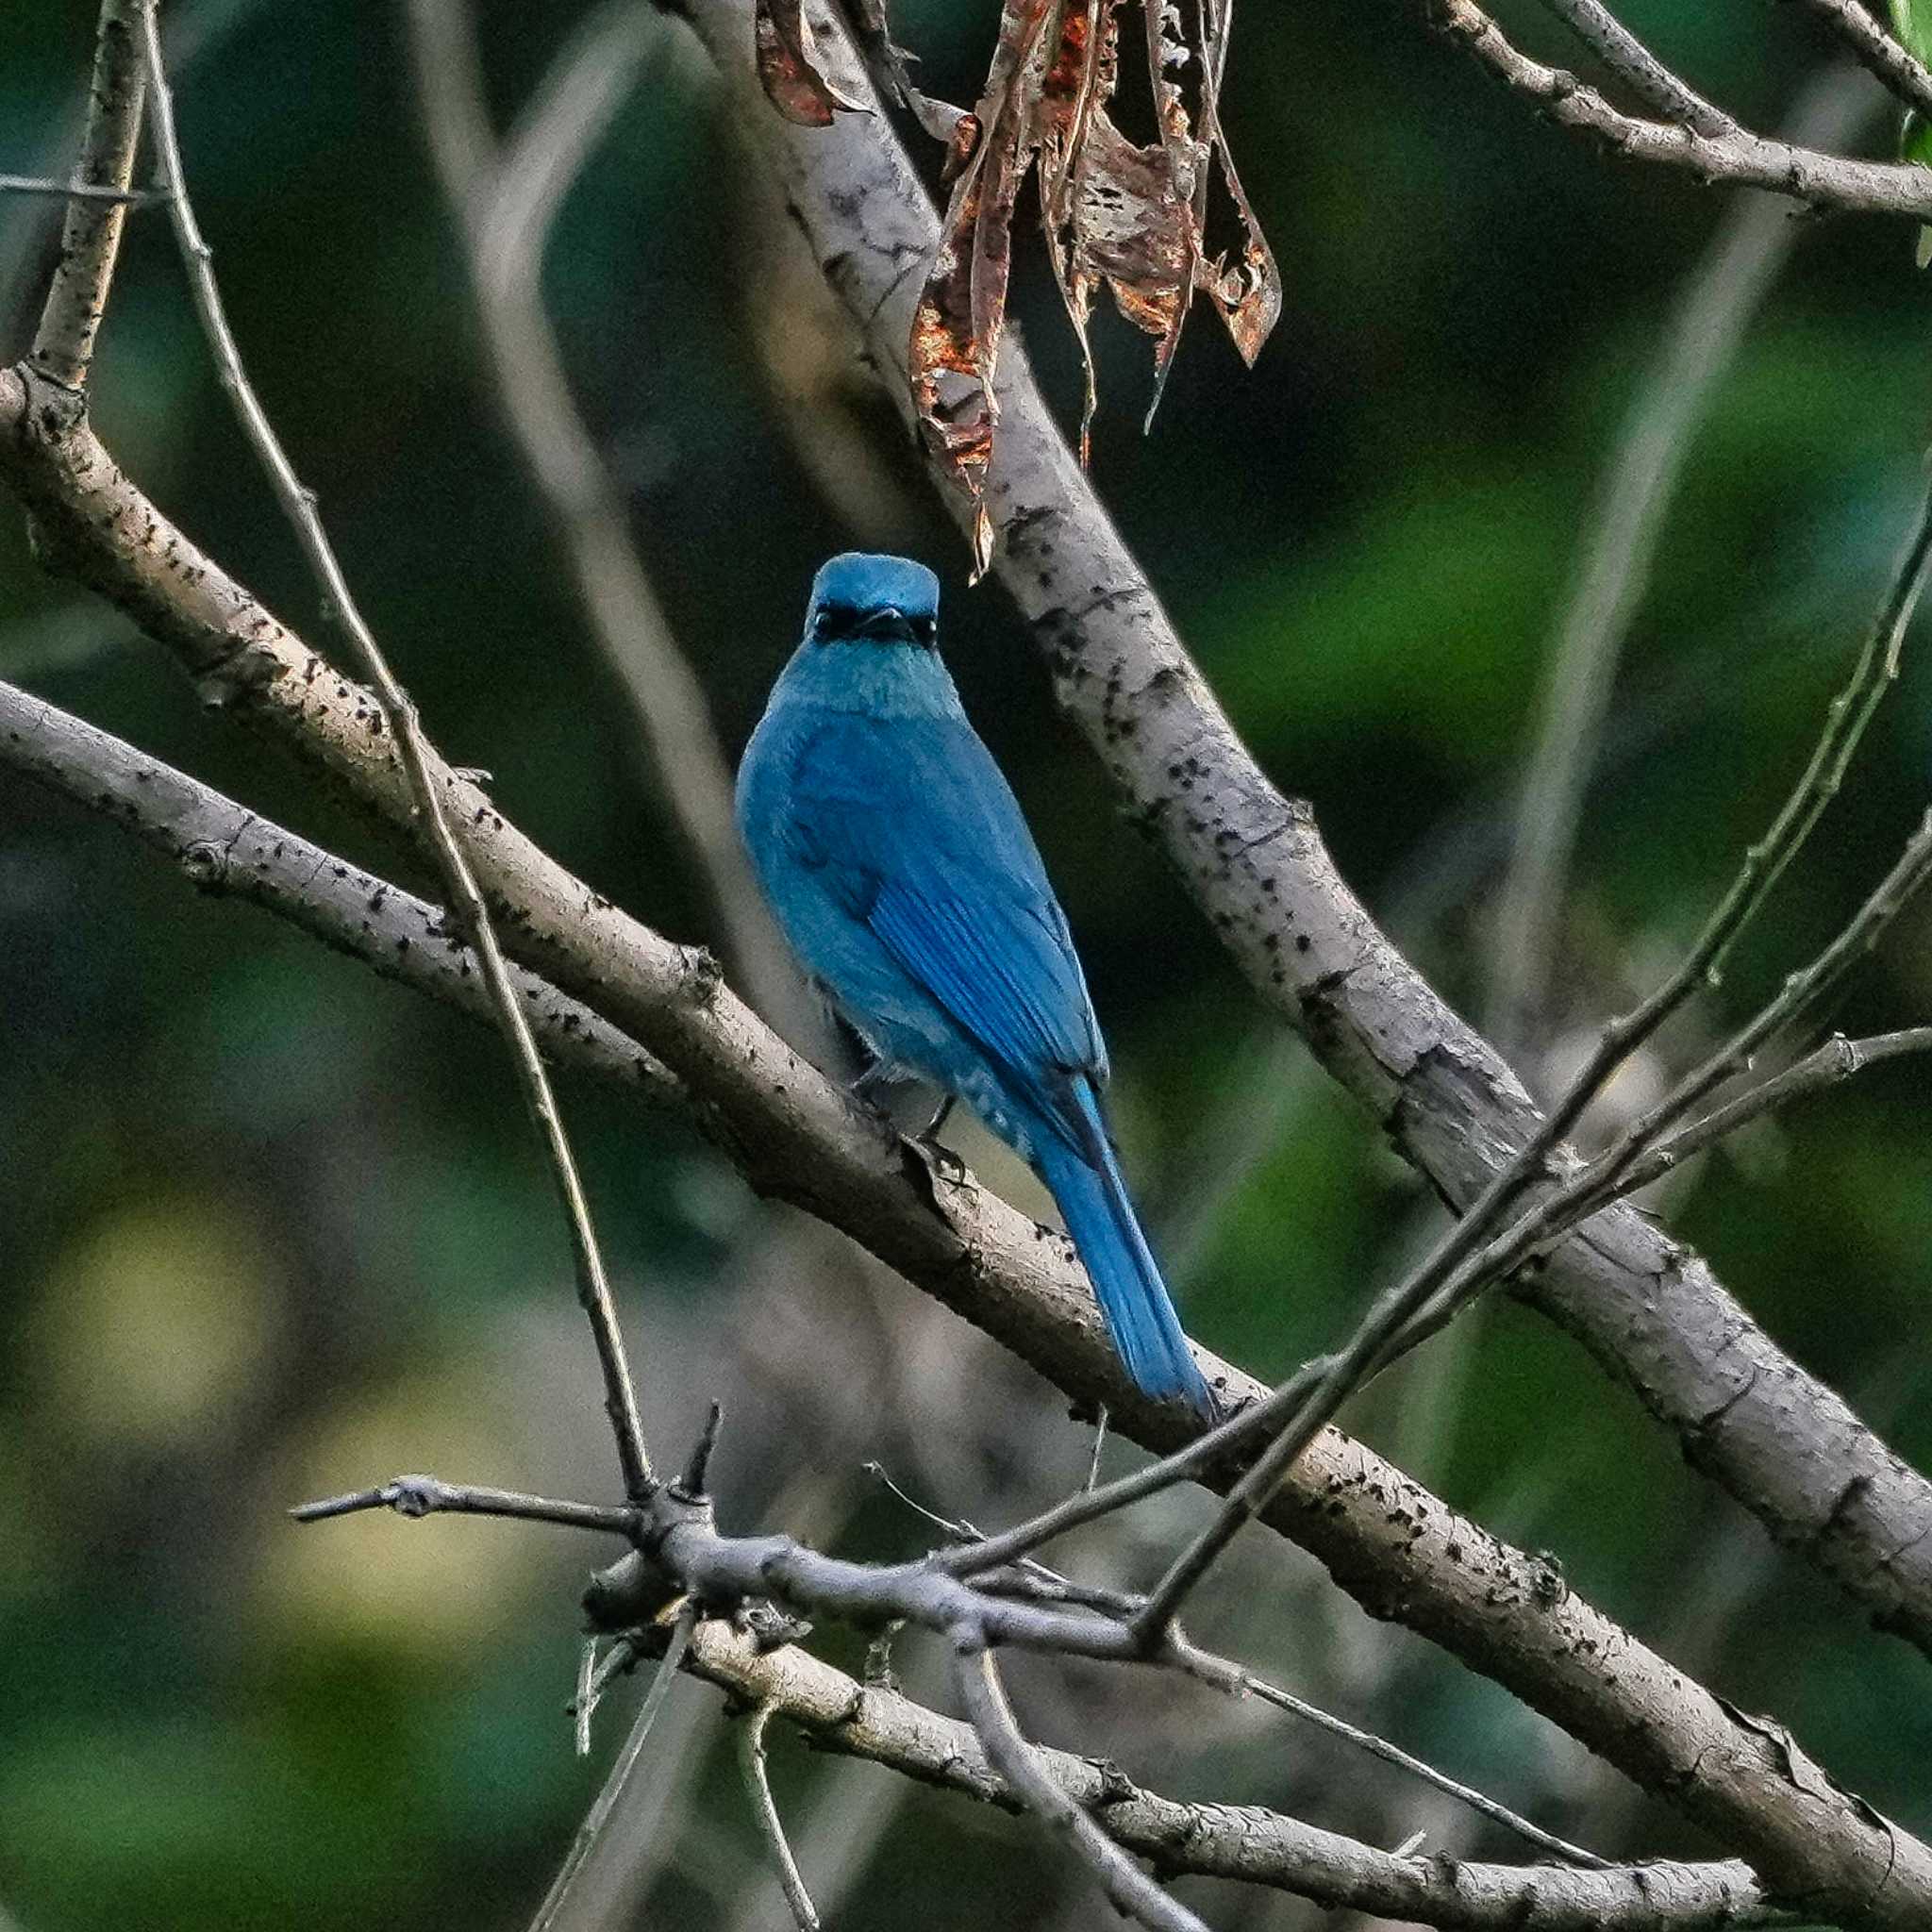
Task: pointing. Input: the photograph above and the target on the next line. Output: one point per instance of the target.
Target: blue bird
(897, 859)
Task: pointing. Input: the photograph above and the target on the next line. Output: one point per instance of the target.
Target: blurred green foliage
(270, 1228)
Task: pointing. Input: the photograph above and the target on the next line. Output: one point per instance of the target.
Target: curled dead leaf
(788, 67)
(1131, 218)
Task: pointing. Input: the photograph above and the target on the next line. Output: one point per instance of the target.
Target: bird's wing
(913, 828)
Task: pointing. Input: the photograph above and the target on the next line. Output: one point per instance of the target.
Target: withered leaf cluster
(1132, 218)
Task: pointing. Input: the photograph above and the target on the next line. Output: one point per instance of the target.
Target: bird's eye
(925, 628)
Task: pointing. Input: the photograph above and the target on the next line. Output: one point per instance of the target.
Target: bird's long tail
(1086, 1182)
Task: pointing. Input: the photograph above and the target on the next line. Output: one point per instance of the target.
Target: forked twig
(550, 1914)
(1638, 68)
(751, 1759)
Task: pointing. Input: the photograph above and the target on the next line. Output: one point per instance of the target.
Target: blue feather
(1126, 1281)
(899, 864)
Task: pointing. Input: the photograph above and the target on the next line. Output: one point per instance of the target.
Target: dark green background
(269, 1227)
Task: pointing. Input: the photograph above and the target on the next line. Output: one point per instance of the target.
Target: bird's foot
(944, 1162)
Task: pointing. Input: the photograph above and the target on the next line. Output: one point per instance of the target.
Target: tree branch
(757, 1783)
(1741, 158)
(1649, 1309)
(990, 1761)
(1386, 1540)
(398, 718)
(90, 239)
(558, 1913)
(1903, 72)
(73, 190)
(977, 1679)
(226, 850)
(1647, 78)
(1242, 1842)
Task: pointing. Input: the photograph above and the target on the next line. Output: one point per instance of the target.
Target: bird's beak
(888, 622)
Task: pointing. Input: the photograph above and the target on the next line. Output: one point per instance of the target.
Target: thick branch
(91, 238)
(1396, 1548)
(225, 849)
(1781, 1443)
(1242, 1842)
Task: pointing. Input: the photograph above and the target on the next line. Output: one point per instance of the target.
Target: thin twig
(1902, 70)
(1706, 324)
(1646, 76)
(75, 190)
(583, 1705)
(1225, 1674)
(428, 1495)
(1228, 1676)
(1824, 1068)
(91, 238)
(751, 1758)
(299, 506)
(1802, 989)
(983, 1697)
(553, 1913)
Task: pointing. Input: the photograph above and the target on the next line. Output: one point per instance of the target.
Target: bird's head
(858, 598)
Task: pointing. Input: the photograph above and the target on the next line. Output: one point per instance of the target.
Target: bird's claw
(942, 1161)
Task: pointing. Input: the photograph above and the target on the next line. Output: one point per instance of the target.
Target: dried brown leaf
(954, 354)
(788, 68)
(1249, 295)
(1132, 218)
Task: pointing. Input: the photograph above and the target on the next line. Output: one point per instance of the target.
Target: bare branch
(1243, 1842)
(1903, 72)
(757, 1783)
(976, 1679)
(398, 715)
(1747, 1780)
(427, 1495)
(1787, 1447)
(74, 191)
(1821, 1070)
(227, 851)
(557, 1913)
(77, 297)
(1395, 1547)
(1447, 1277)
(1647, 76)
(1745, 159)
(1230, 1675)
(502, 203)
(1705, 327)
(1223, 1672)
